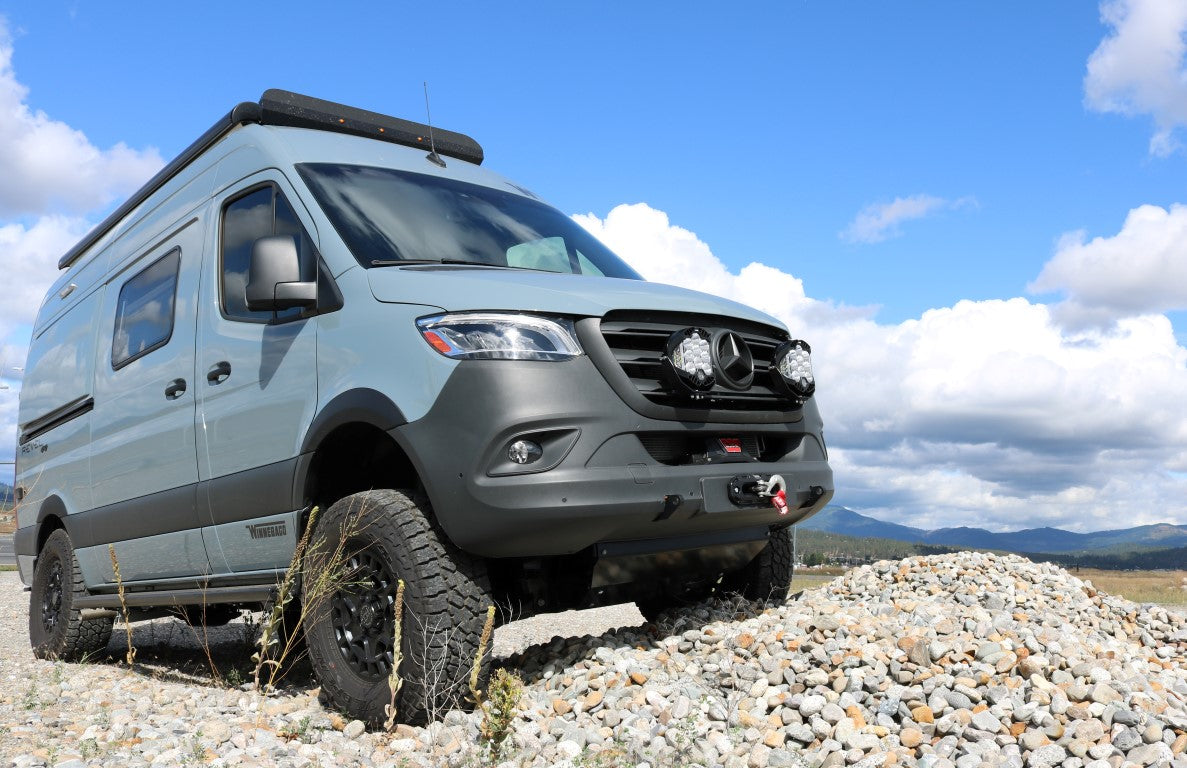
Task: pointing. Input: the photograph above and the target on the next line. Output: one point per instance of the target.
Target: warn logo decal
(267, 530)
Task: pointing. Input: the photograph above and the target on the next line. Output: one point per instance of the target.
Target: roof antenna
(432, 157)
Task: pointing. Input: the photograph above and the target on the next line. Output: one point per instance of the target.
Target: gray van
(316, 306)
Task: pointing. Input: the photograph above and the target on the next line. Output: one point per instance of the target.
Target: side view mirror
(274, 276)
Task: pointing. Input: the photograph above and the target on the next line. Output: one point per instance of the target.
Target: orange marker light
(437, 343)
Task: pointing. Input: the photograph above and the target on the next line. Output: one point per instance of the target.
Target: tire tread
(80, 639)
(444, 587)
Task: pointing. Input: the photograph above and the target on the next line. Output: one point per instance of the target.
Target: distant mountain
(1040, 540)
(849, 523)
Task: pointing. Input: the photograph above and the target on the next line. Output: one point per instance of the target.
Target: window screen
(144, 312)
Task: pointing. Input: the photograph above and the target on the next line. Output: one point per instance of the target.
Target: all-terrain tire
(384, 536)
(768, 575)
(56, 630)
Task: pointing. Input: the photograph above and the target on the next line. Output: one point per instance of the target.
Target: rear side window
(144, 312)
(259, 213)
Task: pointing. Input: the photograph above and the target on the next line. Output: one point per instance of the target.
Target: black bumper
(599, 483)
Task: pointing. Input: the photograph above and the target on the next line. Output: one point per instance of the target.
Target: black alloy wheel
(362, 614)
(51, 600)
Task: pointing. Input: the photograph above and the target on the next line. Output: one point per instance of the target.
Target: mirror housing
(274, 276)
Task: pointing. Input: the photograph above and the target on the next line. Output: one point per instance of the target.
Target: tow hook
(759, 491)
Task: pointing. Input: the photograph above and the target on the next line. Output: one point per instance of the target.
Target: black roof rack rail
(292, 109)
(277, 107)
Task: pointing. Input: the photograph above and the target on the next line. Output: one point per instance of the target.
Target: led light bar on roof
(285, 108)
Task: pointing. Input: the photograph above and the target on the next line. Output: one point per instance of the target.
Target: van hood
(458, 288)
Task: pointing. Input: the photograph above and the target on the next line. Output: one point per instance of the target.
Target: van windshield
(389, 217)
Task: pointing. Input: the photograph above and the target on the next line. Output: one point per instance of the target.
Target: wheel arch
(363, 405)
(51, 516)
(349, 448)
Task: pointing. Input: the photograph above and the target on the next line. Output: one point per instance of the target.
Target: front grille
(637, 341)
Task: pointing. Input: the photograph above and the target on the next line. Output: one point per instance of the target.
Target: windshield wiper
(416, 262)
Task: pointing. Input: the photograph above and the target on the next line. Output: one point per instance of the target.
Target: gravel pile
(958, 660)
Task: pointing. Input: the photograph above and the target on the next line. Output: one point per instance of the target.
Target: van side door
(257, 386)
(144, 466)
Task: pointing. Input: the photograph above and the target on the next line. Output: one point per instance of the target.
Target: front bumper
(599, 484)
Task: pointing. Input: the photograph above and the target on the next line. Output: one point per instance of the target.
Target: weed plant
(119, 585)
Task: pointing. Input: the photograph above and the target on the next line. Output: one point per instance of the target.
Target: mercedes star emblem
(734, 361)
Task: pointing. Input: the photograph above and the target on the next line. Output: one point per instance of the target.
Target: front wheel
(56, 629)
(361, 548)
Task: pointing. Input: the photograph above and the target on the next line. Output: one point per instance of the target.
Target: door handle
(175, 389)
(219, 372)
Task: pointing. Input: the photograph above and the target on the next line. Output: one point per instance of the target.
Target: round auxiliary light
(792, 369)
(688, 360)
(524, 451)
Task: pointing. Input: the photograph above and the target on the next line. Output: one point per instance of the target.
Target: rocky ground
(958, 660)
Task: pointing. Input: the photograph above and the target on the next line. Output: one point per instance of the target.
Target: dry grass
(1164, 587)
(805, 579)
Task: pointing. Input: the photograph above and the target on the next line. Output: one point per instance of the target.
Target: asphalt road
(7, 556)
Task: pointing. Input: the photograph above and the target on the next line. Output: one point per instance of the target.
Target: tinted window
(387, 215)
(144, 312)
(257, 214)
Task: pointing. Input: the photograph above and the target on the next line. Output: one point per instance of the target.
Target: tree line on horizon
(817, 548)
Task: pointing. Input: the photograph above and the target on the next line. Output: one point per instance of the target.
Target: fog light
(688, 360)
(792, 369)
(524, 451)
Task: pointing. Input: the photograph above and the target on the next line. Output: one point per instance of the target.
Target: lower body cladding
(627, 495)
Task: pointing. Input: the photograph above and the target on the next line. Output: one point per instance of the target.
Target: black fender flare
(27, 541)
(365, 405)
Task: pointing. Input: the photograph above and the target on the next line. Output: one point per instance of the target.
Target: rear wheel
(362, 547)
(56, 629)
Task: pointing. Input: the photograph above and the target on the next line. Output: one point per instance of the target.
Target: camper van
(322, 320)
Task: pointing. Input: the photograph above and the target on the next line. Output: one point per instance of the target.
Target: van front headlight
(500, 336)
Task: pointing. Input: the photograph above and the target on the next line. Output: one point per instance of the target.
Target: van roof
(285, 108)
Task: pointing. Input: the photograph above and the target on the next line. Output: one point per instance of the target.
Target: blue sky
(915, 165)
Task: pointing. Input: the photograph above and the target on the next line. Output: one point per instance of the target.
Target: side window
(144, 312)
(259, 213)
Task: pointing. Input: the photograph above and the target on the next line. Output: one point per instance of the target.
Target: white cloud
(47, 166)
(1140, 270)
(1138, 69)
(666, 253)
(881, 221)
(985, 413)
(30, 256)
(53, 181)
